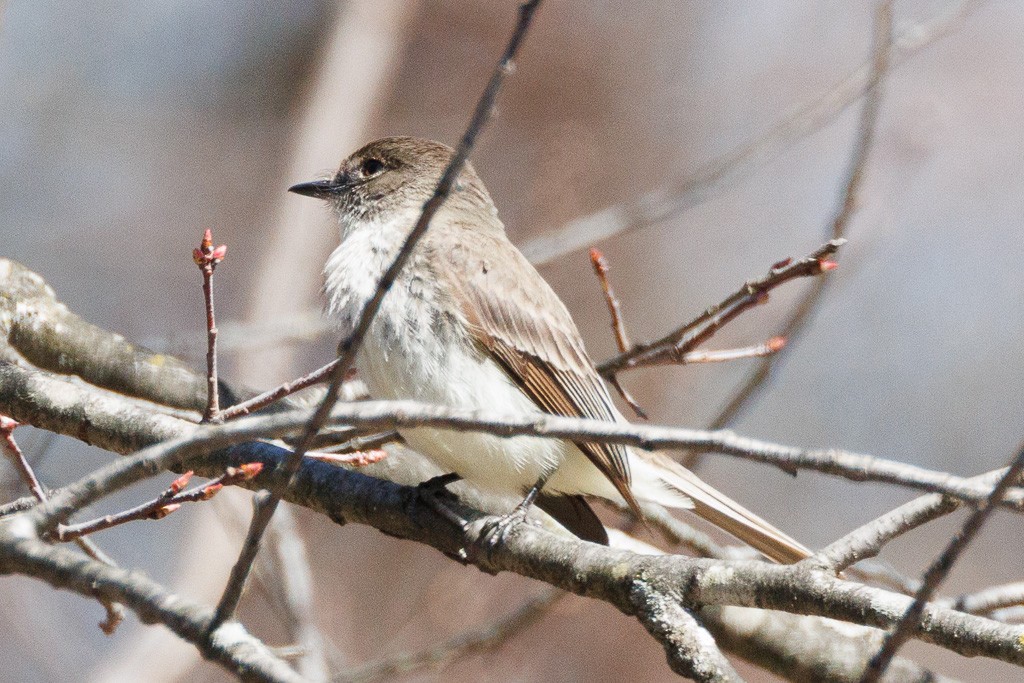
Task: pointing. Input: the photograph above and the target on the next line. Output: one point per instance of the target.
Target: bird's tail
(687, 490)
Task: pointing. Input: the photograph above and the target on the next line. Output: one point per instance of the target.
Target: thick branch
(804, 649)
(588, 570)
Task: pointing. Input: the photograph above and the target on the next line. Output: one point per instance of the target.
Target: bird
(471, 324)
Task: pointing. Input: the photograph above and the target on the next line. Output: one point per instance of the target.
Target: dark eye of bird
(371, 167)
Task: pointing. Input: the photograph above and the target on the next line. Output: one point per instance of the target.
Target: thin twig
(286, 577)
(360, 458)
(1009, 615)
(167, 502)
(630, 400)
(680, 534)
(358, 444)
(990, 599)
(600, 264)
(115, 610)
(936, 573)
(673, 346)
(265, 503)
(207, 257)
(868, 540)
(276, 394)
(17, 457)
(773, 345)
(758, 378)
(883, 574)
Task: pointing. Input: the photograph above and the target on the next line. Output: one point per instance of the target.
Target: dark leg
(429, 493)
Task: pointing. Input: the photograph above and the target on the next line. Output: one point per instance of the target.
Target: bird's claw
(495, 530)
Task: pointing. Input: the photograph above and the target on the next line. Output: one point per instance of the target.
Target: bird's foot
(495, 530)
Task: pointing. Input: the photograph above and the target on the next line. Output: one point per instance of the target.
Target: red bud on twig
(355, 458)
(826, 266)
(210, 491)
(250, 469)
(364, 458)
(164, 510)
(775, 344)
(178, 484)
(206, 254)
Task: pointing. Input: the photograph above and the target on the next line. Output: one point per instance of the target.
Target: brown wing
(517, 318)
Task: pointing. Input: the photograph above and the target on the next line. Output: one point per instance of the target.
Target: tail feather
(726, 513)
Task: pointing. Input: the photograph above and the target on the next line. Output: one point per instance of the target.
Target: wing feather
(517, 318)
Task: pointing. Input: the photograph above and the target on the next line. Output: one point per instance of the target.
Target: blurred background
(126, 128)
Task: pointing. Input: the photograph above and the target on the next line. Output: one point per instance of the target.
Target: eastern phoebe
(471, 324)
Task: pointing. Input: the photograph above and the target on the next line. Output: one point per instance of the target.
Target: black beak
(320, 189)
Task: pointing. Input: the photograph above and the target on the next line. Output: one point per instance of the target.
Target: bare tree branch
(277, 393)
(690, 648)
(115, 610)
(937, 572)
(600, 572)
(231, 646)
(207, 257)
(25, 394)
(991, 599)
(579, 567)
(802, 649)
(285, 573)
(868, 540)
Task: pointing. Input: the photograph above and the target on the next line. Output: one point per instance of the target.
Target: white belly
(414, 366)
